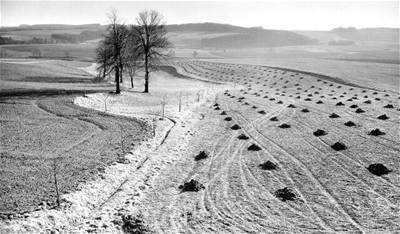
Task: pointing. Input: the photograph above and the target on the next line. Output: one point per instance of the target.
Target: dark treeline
(128, 48)
(34, 40)
(56, 38)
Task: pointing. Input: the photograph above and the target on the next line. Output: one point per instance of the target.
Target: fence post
(180, 101)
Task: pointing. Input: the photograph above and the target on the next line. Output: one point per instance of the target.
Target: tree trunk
(104, 72)
(117, 90)
(120, 74)
(131, 82)
(146, 76)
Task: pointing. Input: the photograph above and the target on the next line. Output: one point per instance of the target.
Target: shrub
(339, 104)
(223, 113)
(262, 112)
(305, 110)
(291, 106)
(320, 102)
(134, 224)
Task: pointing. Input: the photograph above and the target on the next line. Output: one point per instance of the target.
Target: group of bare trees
(129, 48)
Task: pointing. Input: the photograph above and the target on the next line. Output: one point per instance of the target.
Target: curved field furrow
(302, 176)
(337, 191)
(353, 160)
(265, 196)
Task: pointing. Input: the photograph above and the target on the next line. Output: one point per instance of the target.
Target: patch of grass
(134, 224)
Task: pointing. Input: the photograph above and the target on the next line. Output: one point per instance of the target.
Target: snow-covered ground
(120, 188)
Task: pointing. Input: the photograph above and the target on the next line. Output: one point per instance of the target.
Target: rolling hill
(199, 35)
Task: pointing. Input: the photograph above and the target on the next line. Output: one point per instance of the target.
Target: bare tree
(117, 36)
(131, 54)
(103, 58)
(152, 42)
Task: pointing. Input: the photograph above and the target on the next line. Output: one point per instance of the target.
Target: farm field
(367, 64)
(279, 113)
(42, 131)
(291, 150)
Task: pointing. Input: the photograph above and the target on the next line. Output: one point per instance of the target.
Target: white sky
(272, 14)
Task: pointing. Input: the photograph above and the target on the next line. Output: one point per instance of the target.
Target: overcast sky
(274, 14)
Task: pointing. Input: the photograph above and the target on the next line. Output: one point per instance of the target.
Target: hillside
(199, 35)
(386, 35)
(369, 34)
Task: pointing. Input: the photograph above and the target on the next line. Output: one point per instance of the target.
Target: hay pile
(359, 110)
(235, 127)
(376, 132)
(254, 147)
(285, 194)
(191, 186)
(268, 165)
(319, 132)
(390, 106)
(274, 118)
(350, 124)
(243, 137)
(353, 106)
(228, 119)
(284, 126)
(333, 116)
(338, 146)
(378, 169)
(201, 155)
(383, 117)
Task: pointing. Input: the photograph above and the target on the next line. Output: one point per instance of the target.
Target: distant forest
(56, 38)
